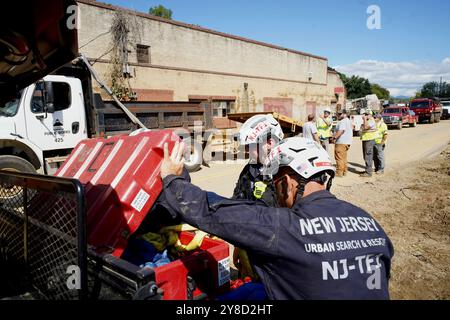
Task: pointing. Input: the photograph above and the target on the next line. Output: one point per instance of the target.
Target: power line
(100, 35)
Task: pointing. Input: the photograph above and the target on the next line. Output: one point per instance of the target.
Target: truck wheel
(193, 156)
(14, 164)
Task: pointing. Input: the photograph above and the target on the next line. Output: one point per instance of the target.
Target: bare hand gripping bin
(122, 181)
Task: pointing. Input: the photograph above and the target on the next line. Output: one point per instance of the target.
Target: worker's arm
(243, 224)
(316, 137)
(315, 134)
(368, 126)
(385, 136)
(339, 134)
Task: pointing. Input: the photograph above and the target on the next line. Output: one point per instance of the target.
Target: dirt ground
(413, 206)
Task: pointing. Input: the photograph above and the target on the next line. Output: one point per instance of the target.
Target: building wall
(188, 61)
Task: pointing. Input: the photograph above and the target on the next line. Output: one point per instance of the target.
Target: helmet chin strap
(301, 188)
(330, 183)
(302, 182)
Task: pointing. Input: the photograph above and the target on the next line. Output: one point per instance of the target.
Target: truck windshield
(10, 108)
(420, 104)
(391, 110)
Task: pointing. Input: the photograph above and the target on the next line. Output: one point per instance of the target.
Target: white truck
(445, 109)
(40, 127)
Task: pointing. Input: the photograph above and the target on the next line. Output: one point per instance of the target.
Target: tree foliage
(434, 89)
(356, 87)
(161, 11)
(382, 93)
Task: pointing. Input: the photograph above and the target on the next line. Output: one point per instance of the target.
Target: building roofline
(194, 27)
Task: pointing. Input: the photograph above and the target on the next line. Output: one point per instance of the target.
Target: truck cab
(427, 109)
(398, 116)
(39, 128)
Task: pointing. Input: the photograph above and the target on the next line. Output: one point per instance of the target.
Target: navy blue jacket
(322, 248)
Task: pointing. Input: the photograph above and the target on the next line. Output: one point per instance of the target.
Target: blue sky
(414, 39)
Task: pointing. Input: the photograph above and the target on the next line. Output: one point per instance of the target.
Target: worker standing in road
(324, 126)
(380, 144)
(314, 247)
(343, 141)
(259, 134)
(310, 130)
(369, 134)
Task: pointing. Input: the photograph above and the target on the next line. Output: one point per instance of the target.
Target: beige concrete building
(174, 61)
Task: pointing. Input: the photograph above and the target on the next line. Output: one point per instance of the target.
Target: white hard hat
(304, 156)
(327, 110)
(257, 127)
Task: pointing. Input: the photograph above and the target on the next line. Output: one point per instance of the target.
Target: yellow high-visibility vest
(323, 128)
(370, 134)
(382, 129)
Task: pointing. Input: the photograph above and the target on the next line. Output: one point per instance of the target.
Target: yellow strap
(194, 244)
(159, 241)
(174, 240)
(242, 262)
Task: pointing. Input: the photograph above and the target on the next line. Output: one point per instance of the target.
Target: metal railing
(43, 250)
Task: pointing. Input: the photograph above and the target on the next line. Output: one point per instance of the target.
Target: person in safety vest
(259, 135)
(313, 247)
(380, 144)
(324, 125)
(368, 137)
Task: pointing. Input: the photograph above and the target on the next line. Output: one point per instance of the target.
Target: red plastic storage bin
(121, 176)
(208, 267)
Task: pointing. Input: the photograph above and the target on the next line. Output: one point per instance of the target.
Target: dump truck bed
(291, 127)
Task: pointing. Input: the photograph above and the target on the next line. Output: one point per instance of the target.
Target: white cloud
(401, 78)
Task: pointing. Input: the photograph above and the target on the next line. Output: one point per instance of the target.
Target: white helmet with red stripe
(304, 156)
(257, 127)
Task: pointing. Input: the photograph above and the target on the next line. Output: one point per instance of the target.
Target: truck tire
(14, 164)
(432, 118)
(194, 156)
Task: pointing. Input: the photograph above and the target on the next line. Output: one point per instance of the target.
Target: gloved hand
(173, 164)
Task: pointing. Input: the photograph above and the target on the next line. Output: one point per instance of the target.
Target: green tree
(382, 93)
(434, 89)
(357, 87)
(161, 11)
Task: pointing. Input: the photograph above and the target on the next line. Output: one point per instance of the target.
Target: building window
(222, 108)
(143, 53)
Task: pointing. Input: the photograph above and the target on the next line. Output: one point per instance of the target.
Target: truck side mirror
(49, 98)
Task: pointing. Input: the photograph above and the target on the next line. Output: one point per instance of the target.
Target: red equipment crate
(121, 176)
(208, 267)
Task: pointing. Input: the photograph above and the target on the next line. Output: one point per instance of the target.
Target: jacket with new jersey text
(322, 248)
